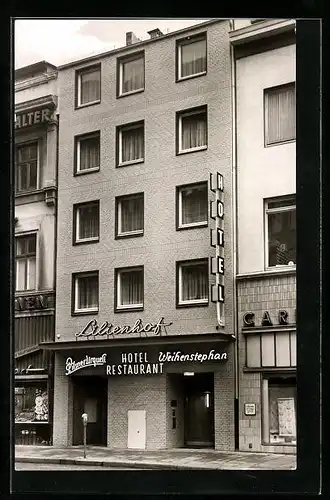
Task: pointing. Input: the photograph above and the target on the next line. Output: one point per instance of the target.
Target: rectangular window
(281, 232)
(193, 282)
(88, 86)
(87, 153)
(129, 290)
(130, 215)
(86, 292)
(192, 130)
(192, 205)
(191, 57)
(130, 144)
(280, 114)
(131, 74)
(31, 404)
(27, 167)
(26, 262)
(279, 410)
(86, 222)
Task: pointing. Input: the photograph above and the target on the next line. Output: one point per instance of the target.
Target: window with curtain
(192, 128)
(192, 205)
(26, 167)
(88, 152)
(87, 222)
(192, 58)
(193, 286)
(280, 114)
(131, 143)
(281, 222)
(130, 288)
(130, 215)
(86, 292)
(26, 262)
(131, 74)
(89, 82)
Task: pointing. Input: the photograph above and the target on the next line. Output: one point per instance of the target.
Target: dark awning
(137, 341)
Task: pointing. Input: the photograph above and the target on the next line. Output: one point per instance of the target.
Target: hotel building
(144, 311)
(35, 143)
(265, 164)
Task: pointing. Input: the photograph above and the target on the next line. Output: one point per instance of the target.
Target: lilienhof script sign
(93, 329)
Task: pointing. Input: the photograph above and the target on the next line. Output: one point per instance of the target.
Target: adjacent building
(265, 164)
(144, 309)
(35, 143)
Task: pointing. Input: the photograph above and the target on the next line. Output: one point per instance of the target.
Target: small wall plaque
(249, 408)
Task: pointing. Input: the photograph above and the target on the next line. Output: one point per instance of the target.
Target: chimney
(131, 38)
(155, 33)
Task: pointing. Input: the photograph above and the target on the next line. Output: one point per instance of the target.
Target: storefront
(268, 383)
(145, 394)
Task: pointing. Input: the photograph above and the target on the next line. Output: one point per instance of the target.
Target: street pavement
(49, 466)
(158, 459)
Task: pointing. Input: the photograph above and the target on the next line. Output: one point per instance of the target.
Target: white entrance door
(136, 429)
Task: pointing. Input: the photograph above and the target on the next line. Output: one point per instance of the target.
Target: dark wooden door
(90, 396)
(199, 412)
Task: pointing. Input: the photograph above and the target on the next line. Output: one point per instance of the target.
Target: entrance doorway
(90, 395)
(199, 410)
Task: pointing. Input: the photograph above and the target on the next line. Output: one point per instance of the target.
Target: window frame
(120, 62)
(74, 295)
(191, 303)
(77, 140)
(182, 114)
(119, 131)
(76, 223)
(271, 376)
(132, 234)
(24, 235)
(17, 147)
(195, 225)
(284, 208)
(127, 308)
(78, 73)
(187, 41)
(266, 92)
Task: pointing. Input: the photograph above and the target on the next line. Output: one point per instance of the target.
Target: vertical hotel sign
(217, 242)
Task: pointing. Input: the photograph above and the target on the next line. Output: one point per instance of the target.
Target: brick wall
(258, 295)
(174, 390)
(161, 246)
(224, 416)
(137, 393)
(63, 405)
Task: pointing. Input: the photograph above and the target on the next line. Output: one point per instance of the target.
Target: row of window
(192, 287)
(280, 227)
(191, 134)
(191, 61)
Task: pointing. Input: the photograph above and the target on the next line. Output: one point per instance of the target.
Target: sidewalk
(160, 459)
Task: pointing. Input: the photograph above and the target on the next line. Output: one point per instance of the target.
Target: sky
(59, 41)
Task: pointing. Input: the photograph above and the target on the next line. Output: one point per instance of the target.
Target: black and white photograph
(155, 244)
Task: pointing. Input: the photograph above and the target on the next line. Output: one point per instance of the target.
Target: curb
(130, 465)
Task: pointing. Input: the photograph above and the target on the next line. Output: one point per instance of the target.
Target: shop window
(271, 349)
(192, 205)
(129, 288)
(87, 153)
(31, 404)
(88, 89)
(26, 262)
(131, 74)
(191, 57)
(86, 222)
(281, 231)
(86, 292)
(192, 283)
(280, 114)
(279, 410)
(192, 130)
(130, 144)
(130, 215)
(26, 167)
